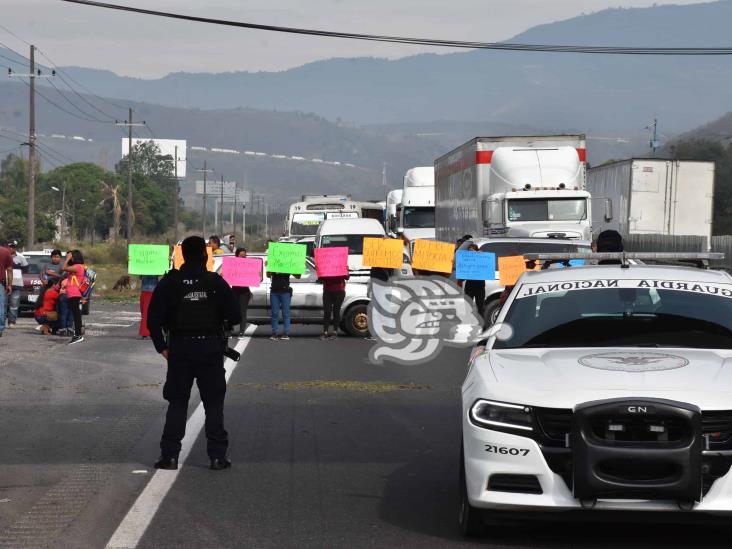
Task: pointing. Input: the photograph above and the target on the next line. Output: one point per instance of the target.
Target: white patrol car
(604, 387)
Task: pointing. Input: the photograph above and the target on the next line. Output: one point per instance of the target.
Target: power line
(83, 112)
(59, 107)
(506, 46)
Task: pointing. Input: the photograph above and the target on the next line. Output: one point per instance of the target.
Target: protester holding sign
(283, 260)
(243, 293)
(469, 269)
(332, 267)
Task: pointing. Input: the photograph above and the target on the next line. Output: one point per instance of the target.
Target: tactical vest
(193, 308)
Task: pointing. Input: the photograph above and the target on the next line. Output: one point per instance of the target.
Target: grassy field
(107, 275)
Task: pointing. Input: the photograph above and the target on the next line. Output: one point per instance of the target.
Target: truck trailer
(653, 196)
(521, 186)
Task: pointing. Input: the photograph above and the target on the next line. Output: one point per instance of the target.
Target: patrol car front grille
(718, 425)
(554, 424)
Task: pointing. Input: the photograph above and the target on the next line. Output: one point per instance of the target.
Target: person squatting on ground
(334, 293)
(193, 306)
(46, 314)
(19, 262)
(6, 283)
(243, 295)
(76, 277)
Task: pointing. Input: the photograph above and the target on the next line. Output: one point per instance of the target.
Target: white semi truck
(393, 211)
(653, 196)
(521, 187)
(417, 208)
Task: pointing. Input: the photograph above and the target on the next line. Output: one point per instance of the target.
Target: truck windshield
(305, 224)
(353, 241)
(544, 315)
(547, 209)
(419, 218)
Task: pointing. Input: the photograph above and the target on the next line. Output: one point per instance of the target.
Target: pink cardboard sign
(331, 261)
(242, 271)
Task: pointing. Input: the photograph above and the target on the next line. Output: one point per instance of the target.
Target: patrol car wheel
(356, 321)
(490, 313)
(470, 519)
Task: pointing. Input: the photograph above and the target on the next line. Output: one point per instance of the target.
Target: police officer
(193, 306)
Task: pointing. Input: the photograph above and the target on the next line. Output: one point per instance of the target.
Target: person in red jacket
(334, 292)
(46, 314)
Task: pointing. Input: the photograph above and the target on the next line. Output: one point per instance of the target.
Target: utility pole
(31, 76)
(383, 175)
(130, 158)
(244, 222)
(175, 204)
(221, 208)
(203, 220)
(653, 130)
(266, 220)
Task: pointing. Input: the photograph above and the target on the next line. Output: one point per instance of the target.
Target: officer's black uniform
(192, 305)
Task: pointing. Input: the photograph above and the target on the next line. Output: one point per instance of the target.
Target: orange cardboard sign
(387, 253)
(431, 255)
(510, 269)
(178, 258)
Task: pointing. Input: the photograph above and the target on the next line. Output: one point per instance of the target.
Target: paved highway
(328, 450)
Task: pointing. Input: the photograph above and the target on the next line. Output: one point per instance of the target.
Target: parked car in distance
(349, 233)
(307, 301)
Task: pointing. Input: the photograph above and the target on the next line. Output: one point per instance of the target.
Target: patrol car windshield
(618, 313)
(306, 223)
(545, 209)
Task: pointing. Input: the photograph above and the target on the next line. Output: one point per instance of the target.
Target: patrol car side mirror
(608, 209)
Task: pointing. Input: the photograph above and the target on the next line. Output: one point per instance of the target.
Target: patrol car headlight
(501, 415)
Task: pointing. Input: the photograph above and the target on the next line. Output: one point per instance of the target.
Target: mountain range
(369, 112)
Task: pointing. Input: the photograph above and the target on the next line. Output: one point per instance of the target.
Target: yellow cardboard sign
(510, 268)
(178, 258)
(431, 255)
(383, 252)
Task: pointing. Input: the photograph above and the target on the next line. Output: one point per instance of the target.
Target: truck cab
(417, 215)
(542, 194)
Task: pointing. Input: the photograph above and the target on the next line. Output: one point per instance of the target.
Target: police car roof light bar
(699, 258)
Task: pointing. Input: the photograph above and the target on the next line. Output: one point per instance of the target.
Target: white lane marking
(107, 325)
(138, 518)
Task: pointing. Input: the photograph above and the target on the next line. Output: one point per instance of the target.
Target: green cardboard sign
(284, 257)
(148, 259)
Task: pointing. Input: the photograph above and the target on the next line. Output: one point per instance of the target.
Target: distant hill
(717, 130)
(601, 94)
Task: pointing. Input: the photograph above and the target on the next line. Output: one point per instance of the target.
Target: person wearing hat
(19, 261)
(6, 282)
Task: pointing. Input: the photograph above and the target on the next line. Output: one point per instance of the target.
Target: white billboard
(167, 147)
(214, 187)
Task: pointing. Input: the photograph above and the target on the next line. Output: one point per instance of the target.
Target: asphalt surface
(328, 450)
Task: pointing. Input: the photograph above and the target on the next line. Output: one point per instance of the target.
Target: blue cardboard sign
(471, 265)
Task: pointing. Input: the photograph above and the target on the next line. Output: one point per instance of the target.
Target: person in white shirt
(19, 262)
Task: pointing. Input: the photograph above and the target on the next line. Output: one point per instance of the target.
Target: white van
(333, 233)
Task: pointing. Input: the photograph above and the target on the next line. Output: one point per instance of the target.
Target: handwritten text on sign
(243, 272)
(331, 261)
(510, 268)
(430, 255)
(147, 259)
(283, 257)
(178, 258)
(472, 265)
(386, 253)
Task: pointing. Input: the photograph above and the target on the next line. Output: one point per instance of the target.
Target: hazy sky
(148, 47)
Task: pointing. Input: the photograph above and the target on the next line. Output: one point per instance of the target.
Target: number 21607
(505, 451)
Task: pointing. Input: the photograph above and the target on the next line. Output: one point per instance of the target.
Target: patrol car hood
(563, 378)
